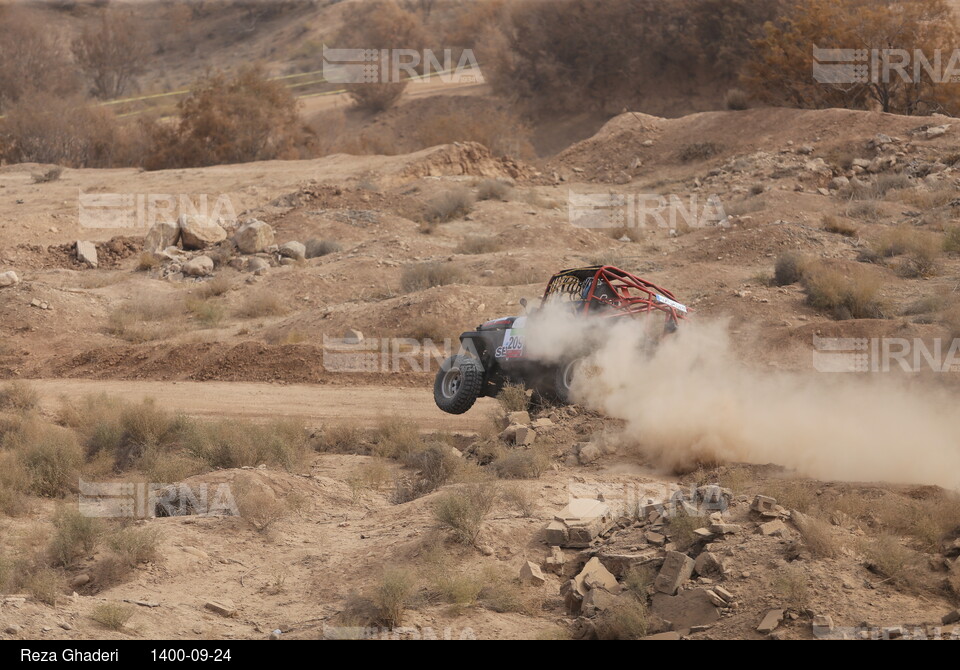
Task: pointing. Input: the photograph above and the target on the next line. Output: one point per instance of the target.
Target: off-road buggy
(496, 353)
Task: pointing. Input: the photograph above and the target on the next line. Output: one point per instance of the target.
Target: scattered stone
(715, 599)
(686, 610)
(87, 253)
(199, 232)
(619, 563)
(654, 538)
(258, 266)
(724, 528)
(543, 423)
(595, 576)
(524, 436)
(294, 250)
(554, 562)
(162, 234)
(709, 564)
(80, 580)
(201, 266)
(770, 621)
(669, 635)
(220, 608)
(12, 629)
(577, 524)
(274, 634)
(595, 601)
(518, 418)
(589, 453)
(765, 506)
(530, 574)
(822, 624)
(723, 593)
(937, 131)
(253, 237)
(951, 617)
(65, 626)
(774, 528)
(9, 278)
(677, 568)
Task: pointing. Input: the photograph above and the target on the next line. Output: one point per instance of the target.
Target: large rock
(709, 564)
(677, 568)
(87, 253)
(161, 235)
(579, 523)
(201, 266)
(530, 573)
(9, 278)
(253, 237)
(686, 610)
(199, 232)
(294, 250)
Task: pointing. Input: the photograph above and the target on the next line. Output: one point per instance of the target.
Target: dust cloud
(690, 400)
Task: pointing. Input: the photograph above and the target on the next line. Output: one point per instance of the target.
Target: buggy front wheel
(458, 384)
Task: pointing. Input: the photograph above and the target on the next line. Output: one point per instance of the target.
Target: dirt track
(364, 405)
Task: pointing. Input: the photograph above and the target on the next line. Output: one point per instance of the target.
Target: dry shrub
(798, 494)
(436, 465)
(626, 619)
(376, 97)
(680, 526)
(14, 485)
(928, 199)
(47, 176)
(864, 209)
(454, 203)
(817, 536)
(144, 318)
(421, 276)
(921, 250)
(788, 268)
(230, 120)
(463, 510)
(638, 579)
(50, 455)
(113, 53)
(951, 240)
(214, 287)
(504, 593)
(392, 595)
(135, 545)
(317, 247)
(75, 536)
(340, 438)
(792, 585)
(888, 557)
(522, 464)
(396, 438)
(848, 295)
(478, 244)
(33, 58)
(698, 151)
(513, 398)
(46, 128)
(896, 181)
(236, 444)
(521, 499)
(259, 506)
(19, 396)
(834, 224)
(261, 303)
(494, 189)
(736, 99)
(43, 583)
(207, 313)
(114, 616)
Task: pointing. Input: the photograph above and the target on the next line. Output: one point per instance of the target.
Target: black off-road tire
(458, 384)
(563, 378)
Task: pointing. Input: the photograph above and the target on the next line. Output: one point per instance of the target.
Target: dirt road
(364, 405)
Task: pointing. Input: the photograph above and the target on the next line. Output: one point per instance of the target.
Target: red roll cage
(612, 292)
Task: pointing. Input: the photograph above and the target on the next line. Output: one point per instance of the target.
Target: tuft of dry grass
(114, 616)
(818, 536)
(626, 619)
(395, 437)
(848, 295)
(521, 499)
(513, 398)
(50, 455)
(478, 244)
(679, 528)
(834, 224)
(454, 203)
(392, 595)
(494, 189)
(788, 268)
(793, 586)
(736, 99)
(886, 555)
(261, 303)
(521, 464)
(340, 438)
(19, 396)
(75, 536)
(136, 545)
(421, 276)
(463, 510)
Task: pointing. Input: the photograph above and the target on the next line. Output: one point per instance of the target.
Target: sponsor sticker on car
(513, 340)
(673, 303)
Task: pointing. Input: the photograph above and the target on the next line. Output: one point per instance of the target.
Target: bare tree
(31, 59)
(112, 54)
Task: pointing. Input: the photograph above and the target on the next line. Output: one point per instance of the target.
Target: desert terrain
(725, 488)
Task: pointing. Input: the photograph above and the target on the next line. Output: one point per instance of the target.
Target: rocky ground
(350, 247)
